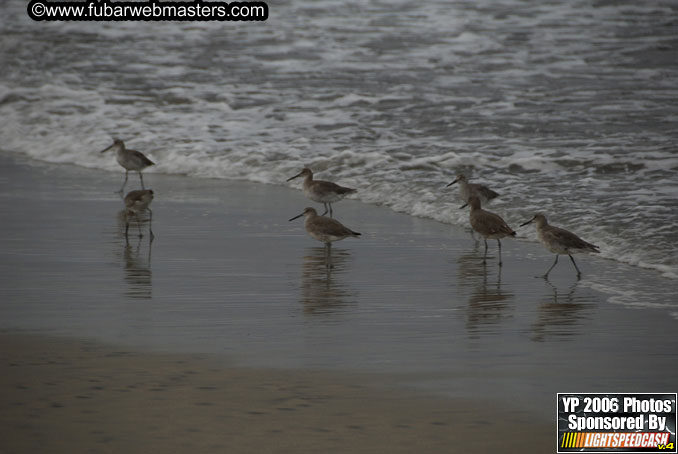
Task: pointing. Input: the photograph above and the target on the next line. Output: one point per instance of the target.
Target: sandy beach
(66, 396)
(228, 334)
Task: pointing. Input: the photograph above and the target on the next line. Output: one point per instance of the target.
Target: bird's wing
(486, 192)
(497, 224)
(332, 227)
(567, 239)
(333, 187)
(141, 157)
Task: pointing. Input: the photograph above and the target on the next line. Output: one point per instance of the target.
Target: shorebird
(559, 241)
(489, 225)
(467, 189)
(320, 191)
(325, 230)
(130, 160)
(136, 202)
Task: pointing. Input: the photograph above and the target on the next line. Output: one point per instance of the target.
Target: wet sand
(74, 396)
(228, 334)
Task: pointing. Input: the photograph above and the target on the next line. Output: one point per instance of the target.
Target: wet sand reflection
(489, 302)
(561, 313)
(322, 290)
(136, 259)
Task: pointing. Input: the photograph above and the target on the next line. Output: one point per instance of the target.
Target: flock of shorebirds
(327, 229)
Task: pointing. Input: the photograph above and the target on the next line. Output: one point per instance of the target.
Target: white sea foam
(633, 294)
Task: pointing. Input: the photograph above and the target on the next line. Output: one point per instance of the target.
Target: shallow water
(565, 107)
(228, 275)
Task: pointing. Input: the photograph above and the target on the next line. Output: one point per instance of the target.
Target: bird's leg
(124, 182)
(330, 209)
(126, 226)
(485, 256)
(141, 177)
(138, 225)
(499, 243)
(499, 280)
(325, 209)
(575, 266)
(546, 276)
(328, 255)
(150, 223)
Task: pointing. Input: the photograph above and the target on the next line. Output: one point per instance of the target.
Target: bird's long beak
(297, 217)
(107, 148)
(452, 184)
(525, 223)
(296, 176)
(463, 206)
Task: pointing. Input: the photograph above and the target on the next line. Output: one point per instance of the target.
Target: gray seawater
(565, 107)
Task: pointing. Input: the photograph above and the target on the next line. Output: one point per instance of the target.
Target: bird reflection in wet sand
(322, 291)
(137, 203)
(138, 273)
(488, 301)
(560, 313)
